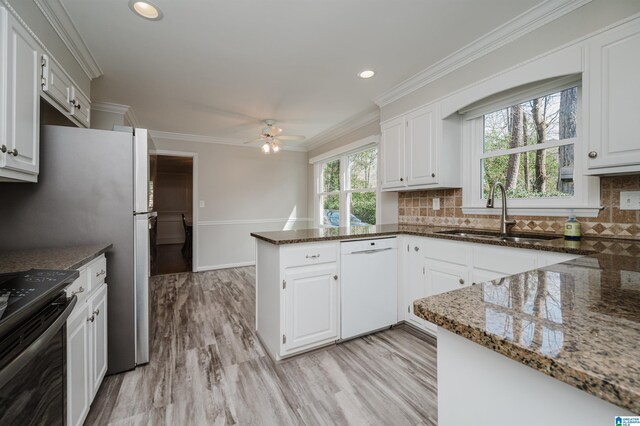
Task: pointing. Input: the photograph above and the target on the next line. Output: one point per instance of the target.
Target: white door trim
(194, 208)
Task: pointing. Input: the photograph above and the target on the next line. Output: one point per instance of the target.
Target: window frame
(345, 189)
(585, 201)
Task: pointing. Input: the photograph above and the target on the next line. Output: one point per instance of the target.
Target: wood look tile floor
(208, 368)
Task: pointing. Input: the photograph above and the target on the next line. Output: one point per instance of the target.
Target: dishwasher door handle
(371, 251)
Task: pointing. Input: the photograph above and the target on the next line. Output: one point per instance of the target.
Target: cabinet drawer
(506, 260)
(447, 251)
(80, 287)
(97, 272)
(309, 254)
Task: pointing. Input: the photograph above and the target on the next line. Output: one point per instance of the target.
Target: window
(347, 189)
(529, 145)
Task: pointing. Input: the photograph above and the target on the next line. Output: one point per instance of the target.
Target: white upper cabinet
(614, 90)
(20, 111)
(392, 153)
(61, 92)
(421, 150)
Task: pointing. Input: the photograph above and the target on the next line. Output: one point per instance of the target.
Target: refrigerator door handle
(150, 214)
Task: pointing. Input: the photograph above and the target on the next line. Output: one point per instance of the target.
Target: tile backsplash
(416, 208)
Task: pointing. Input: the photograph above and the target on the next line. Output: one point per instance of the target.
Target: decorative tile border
(416, 208)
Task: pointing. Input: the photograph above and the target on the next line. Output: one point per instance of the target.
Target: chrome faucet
(504, 223)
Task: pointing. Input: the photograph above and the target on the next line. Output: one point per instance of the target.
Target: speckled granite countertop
(584, 247)
(50, 258)
(577, 321)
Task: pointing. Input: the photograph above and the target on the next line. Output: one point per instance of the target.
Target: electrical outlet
(201, 203)
(436, 204)
(630, 200)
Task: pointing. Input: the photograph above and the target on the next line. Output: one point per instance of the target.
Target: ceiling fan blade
(253, 141)
(291, 138)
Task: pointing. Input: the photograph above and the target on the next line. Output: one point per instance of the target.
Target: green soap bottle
(572, 230)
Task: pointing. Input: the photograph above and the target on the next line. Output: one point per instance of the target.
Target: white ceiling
(217, 68)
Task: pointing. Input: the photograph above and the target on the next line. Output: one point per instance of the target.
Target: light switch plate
(436, 204)
(630, 200)
(201, 203)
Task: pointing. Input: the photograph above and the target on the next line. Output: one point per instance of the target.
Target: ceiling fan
(271, 137)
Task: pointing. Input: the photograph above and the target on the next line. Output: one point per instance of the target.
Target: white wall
(244, 191)
(582, 21)
(37, 22)
(388, 200)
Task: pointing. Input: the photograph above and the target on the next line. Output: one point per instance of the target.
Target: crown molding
(124, 110)
(186, 137)
(517, 27)
(57, 15)
(344, 127)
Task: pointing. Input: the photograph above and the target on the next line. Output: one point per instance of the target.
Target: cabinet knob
(401, 179)
(77, 105)
(461, 281)
(433, 175)
(96, 312)
(335, 277)
(416, 248)
(80, 290)
(92, 318)
(593, 154)
(3, 149)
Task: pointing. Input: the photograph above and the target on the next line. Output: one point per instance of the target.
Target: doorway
(173, 194)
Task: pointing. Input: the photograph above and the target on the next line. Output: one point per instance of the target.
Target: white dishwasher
(369, 286)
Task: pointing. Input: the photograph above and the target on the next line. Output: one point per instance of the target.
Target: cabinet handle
(416, 248)
(3, 149)
(461, 281)
(80, 290)
(433, 175)
(102, 272)
(77, 105)
(401, 179)
(96, 312)
(14, 152)
(593, 154)
(335, 277)
(313, 256)
(92, 318)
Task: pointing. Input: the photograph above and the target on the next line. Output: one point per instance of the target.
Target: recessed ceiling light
(367, 74)
(146, 10)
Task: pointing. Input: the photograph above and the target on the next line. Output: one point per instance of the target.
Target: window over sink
(529, 139)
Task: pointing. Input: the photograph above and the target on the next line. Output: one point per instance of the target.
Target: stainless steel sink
(512, 238)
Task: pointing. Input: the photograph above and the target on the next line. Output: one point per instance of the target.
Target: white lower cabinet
(78, 366)
(297, 296)
(86, 343)
(98, 337)
(310, 305)
(435, 266)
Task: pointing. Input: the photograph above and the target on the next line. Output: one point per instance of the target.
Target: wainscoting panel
(226, 244)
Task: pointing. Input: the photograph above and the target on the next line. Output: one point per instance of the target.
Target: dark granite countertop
(50, 258)
(577, 321)
(584, 247)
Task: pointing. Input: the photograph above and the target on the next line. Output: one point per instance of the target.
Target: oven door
(33, 368)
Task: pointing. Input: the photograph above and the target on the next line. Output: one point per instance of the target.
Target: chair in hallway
(188, 238)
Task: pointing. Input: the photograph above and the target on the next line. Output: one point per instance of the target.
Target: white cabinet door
(310, 306)
(442, 277)
(415, 288)
(614, 90)
(56, 85)
(421, 146)
(392, 154)
(98, 320)
(78, 367)
(80, 107)
(22, 97)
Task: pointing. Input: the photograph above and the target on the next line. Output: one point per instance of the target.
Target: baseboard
(225, 266)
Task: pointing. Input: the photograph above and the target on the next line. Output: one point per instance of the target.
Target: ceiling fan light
(266, 148)
(276, 147)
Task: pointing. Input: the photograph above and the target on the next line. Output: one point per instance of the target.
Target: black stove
(22, 294)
